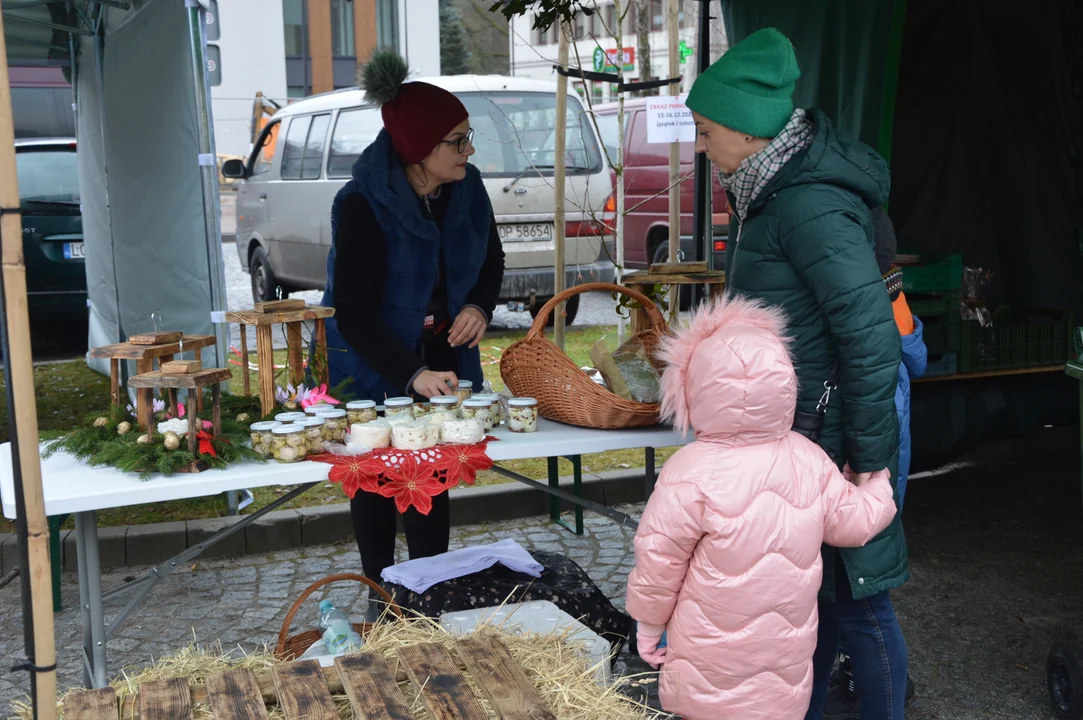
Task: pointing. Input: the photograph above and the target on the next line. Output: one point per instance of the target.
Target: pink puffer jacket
(728, 550)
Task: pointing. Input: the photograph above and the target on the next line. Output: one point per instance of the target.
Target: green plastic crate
(942, 334)
(940, 277)
(1017, 339)
(935, 304)
(946, 364)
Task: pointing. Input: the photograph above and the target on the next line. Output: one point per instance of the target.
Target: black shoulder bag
(811, 424)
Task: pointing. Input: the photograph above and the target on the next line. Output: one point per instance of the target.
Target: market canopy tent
(146, 159)
(978, 106)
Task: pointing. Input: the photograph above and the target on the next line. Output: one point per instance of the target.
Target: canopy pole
(32, 526)
(559, 184)
(672, 25)
(701, 211)
(208, 174)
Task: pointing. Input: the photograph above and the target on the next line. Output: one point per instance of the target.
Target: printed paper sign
(669, 121)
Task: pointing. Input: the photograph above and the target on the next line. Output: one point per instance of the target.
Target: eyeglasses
(461, 143)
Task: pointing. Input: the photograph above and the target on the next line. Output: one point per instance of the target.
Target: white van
(305, 154)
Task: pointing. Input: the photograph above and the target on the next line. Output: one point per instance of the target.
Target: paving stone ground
(242, 601)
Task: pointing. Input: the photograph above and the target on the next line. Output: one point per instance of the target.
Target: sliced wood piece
(503, 681)
(165, 700)
(188, 381)
(130, 351)
(251, 317)
(369, 681)
(280, 305)
(100, 704)
(235, 695)
(679, 267)
(302, 692)
(181, 367)
(441, 685)
(155, 338)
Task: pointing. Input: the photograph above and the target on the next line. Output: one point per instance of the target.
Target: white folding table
(71, 486)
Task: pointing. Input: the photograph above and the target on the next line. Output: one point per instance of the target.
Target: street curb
(321, 525)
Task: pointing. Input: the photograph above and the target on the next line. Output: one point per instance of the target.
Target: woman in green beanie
(802, 239)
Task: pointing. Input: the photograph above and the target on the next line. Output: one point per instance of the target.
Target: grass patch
(67, 392)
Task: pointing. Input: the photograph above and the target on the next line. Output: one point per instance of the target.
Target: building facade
(289, 49)
(594, 46)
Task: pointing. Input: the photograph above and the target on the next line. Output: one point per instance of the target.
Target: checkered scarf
(757, 170)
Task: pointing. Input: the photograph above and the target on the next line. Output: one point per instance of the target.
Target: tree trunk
(643, 40)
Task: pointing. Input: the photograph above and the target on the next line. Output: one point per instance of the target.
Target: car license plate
(525, 232)
(74, 251)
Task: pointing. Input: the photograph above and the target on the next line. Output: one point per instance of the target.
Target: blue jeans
(871, 633)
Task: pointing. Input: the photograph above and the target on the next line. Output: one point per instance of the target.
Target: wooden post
(114, 381)
(216, 403)
(144, 397)
(296, 359)
(559, 181)
(193, 422)
(33, 526)
(321, 350)
(244, 359)
(673, 38)
(173, 409)
(265, 358)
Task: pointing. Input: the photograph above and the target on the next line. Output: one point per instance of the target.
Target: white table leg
(90, 598)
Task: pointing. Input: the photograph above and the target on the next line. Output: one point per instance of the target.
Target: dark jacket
(807, 247)
(383, 267)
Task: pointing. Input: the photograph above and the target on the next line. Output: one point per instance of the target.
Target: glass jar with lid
(290, 417)
(444, 407)
(398, 406)
(523, 415)
(360, 411)
(262, 439)
(465, 390)
(314, 410)
(421, 409)
(289, 445)
(334, 425)
(480, 408)
(313, 434)
(496, 409)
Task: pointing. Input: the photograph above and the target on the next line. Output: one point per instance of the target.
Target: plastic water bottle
(338, 633)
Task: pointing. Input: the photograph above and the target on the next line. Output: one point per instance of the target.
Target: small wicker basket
(535, 367)
(289, 648)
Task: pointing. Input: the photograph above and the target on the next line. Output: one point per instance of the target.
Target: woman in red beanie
(414, 273)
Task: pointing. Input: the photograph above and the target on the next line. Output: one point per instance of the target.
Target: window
(342, 28)
(293, 20)
(354, 131)
(578, 29)
(515, 131)
(538, 36)
(610, 19)
(293, 153)
(42, 112)
(658, 15)
(48, 174)
(295, 92)
(264, 155)
(317, 139)
(387, 24)
(607, 128)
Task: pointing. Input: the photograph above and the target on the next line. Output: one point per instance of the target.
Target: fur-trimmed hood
(729, 374)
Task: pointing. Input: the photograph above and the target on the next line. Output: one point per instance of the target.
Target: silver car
(306, 151)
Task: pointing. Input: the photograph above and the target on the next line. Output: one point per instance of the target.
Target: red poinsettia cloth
(412, 477)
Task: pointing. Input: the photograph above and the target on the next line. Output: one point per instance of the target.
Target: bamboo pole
(559, 182)
(23, 422)
(672, 26)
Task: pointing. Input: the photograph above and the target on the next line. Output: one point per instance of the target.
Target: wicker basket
(535, 367)
(289, 648)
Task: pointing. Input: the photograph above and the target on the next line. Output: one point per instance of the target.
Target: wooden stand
(190, 382)
(144, 356)
(644, 281)
(264, 323)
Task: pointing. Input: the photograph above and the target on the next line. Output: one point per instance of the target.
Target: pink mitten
(647, 644)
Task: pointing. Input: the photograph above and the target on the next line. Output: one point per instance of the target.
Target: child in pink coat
(728, 550)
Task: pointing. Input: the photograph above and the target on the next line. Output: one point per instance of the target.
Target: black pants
(374, 524)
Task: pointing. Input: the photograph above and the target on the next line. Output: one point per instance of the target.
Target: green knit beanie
(750, 88)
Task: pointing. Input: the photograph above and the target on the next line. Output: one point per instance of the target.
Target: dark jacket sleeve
(486, 290)
(832, 253)
(360, 273)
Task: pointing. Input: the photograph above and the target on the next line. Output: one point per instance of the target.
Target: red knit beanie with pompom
(417, 115)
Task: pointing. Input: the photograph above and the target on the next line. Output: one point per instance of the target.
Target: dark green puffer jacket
(807, 247)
